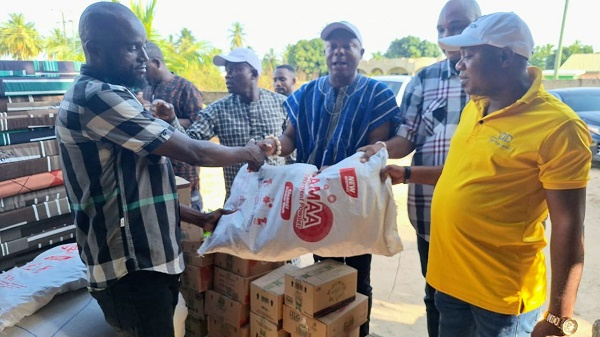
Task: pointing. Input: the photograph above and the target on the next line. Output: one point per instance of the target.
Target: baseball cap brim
(454, 43)
(220, 60)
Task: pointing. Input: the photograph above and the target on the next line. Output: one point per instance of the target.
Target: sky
(276, 24)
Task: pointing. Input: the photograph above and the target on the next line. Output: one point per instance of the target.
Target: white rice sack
(24, 290)
(284, 212)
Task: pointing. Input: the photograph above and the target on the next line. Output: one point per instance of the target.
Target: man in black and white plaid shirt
(249, 112)
(120, 184)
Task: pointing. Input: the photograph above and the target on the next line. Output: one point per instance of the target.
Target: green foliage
(545, 56)
(19, 39)
(145, 12)
(377, 56)
(540, 55)
(59, 47)
(308, 57)
(269, 62)
(192, 59)
(237, 35)
(411, 46)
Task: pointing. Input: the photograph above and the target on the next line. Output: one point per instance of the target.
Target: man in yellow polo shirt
(518, 154)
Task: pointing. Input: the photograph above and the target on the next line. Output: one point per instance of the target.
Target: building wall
(555, 84)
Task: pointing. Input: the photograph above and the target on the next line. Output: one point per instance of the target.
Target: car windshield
(394, 85)
(582, 101)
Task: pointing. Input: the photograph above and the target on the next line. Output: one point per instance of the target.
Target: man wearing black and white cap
(334, 115)
(518, 154)
(248, 113)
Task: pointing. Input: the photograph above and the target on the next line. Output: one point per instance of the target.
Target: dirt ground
(398, 309)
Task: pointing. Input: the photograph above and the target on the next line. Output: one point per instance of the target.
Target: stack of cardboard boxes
(266, 303)
(198, 275)
(321, 301)
(216, 287)
(196, 280)
(228, 303)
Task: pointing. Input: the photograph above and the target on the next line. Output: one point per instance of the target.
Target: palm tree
(61, 48)
(19, 39)
(269, 62)
(192, 59)
(237, 35)
(145, 12)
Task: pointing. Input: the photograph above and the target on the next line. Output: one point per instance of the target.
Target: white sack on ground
(24, 290)
(284, 212)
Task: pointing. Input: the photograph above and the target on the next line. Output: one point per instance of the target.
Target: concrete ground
(398, 309)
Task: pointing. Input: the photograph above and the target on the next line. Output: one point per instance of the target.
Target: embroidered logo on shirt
(502, 140)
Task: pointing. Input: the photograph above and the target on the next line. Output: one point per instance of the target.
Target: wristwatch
(568, 326)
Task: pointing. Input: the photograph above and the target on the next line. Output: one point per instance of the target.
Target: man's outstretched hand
(257, 154)
(369, 150)
(267, 146)
(208, 221)
(163, 110)
(395, 172)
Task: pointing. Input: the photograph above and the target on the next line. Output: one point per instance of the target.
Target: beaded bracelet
(277, 144)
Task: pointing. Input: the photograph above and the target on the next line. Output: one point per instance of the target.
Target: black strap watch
(568, 326)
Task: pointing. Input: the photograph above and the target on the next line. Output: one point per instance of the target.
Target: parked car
(395, 82)
(585, 101)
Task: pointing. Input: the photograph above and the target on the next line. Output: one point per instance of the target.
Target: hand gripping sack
(284, 212)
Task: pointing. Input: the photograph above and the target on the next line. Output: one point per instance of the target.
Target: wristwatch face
(569, 327)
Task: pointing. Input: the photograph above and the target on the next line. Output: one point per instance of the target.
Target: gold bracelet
(277, 144)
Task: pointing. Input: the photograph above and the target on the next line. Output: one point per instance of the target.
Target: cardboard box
(190, 246)
(262, 327)
(233, 285)
(184, 190)
(197, 278)
(340, 323)
(191, 232)
(320, 288)
(190, 254)
(199, 260)
(244, 267)
(266, 293)
(229, 311)
(354, 333)
(195, 327)
(194, 301)
(218, 328)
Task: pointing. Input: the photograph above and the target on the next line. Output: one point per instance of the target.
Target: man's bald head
(114, 40)
(154, 52)
(455, 16)
(105, 20)
(469, 7)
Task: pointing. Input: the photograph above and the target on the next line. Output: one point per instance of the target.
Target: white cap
(344, 25)
(498, 30)
(239, 55)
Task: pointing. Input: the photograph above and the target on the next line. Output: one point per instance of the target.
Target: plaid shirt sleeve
(410, 110)
(204, 126)
(117, 116)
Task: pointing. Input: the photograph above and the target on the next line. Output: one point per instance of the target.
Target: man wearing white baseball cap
(517, 156)
(334, 115)
(248, 113)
